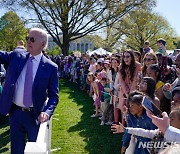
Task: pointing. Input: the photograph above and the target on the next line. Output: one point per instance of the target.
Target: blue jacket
(45, 83)
(138, 122)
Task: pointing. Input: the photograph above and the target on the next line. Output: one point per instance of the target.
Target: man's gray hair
(43, 34)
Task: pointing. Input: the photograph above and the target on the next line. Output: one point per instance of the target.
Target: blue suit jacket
(45, 82)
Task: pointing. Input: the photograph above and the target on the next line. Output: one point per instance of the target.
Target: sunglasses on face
(148, 59)
(31, 39)
(126, 57)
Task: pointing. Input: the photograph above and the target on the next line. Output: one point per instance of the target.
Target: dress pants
(22, 124)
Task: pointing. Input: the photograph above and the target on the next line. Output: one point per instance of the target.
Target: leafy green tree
(177, 42)
(97, 40)
(55, 51)
(11, 30)
(142, 25)
(113, 31)
(75, 18)
(112, 37)
(178, 45)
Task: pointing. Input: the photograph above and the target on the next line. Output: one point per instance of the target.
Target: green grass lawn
(73, 129)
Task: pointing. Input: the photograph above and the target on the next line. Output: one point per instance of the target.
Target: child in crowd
(99, 77)
(92, 67)
(99, 67)
(175, 98)
(82, 78)
(147, 86)
(154, 71)
(157, 136)
(91, 79)
(136, 118)
(161, 43)
(108, 107)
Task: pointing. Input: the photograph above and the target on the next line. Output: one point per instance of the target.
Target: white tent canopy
(100, 51)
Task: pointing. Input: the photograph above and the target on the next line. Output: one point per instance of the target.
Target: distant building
(51, 43)
(82, 44)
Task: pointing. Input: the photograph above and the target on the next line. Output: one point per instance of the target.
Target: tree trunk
(65, 29)
(65, 44)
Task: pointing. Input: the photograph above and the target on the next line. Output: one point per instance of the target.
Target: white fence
(43, 142)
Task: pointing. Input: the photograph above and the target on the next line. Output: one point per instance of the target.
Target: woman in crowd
(149, 58)
(129, 70)
(137, 55)
(113, 77)
(106, 67)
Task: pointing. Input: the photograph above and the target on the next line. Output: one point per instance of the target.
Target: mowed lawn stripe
(75, 131)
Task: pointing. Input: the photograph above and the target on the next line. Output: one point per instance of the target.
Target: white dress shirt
(19, 86)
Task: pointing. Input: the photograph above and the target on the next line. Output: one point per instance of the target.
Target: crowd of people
(118, 84)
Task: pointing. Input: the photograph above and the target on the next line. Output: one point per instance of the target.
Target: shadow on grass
(4, 121)
(99, 139)
(5, 136)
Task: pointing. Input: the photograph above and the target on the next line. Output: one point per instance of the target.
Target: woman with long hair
(113, 77)
(148, 87)
(129, 70)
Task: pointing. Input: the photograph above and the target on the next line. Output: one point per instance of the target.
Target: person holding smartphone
(136, 118)
(170, 126)
(162, 134)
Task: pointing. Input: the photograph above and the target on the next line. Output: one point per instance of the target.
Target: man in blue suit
(31, 78)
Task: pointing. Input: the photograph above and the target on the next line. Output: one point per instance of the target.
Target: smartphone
(150, 106)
